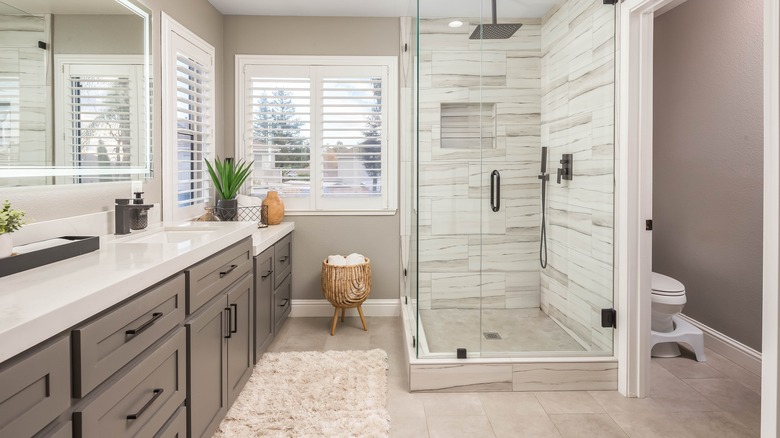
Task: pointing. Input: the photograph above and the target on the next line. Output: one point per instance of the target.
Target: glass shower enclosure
(511, 216)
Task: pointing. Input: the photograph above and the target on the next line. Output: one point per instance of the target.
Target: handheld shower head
(544, 159)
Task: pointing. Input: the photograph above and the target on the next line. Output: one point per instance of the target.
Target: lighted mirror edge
(33, 171)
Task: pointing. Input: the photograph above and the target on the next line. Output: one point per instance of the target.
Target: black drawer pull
(283, 259)
(137, 415)
(230, 269)
(234, 315)
(146, 325)
(267, 274)
(284, 303)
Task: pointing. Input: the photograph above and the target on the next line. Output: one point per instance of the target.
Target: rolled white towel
(355, 259)
(248, 201)
(337, 260)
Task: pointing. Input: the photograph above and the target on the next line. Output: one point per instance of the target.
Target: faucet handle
(122, 201)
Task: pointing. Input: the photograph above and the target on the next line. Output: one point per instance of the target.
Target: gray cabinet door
(207, 366)
(35, 390)
(140, 400)
(239, 351)
(264, 288)
(282, 259)
(282, 298)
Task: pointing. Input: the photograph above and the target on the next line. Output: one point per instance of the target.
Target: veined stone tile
(444, 254)
(439, 96)
(466, 216)
(502, 253)
(32, 67)
(464, 291)
(523, 216)
(444, 180)
(505, 95)
(564, 376)
(459, 378)
(467, 69)
(9, 63)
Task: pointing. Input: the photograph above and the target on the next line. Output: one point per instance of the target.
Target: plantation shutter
(353, 137)
(101, 119)
(278, 132)
(194, 126)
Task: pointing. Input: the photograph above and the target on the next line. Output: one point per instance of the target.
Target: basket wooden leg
(344, 309)
(362, 319)
(335, 320)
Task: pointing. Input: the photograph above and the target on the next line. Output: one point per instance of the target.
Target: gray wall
(103, 34)
(48, 203)
(707, 161)
(318, 236)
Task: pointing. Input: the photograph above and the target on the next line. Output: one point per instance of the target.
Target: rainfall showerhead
(494, 31)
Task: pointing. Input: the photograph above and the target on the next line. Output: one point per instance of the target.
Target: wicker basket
(346, 287)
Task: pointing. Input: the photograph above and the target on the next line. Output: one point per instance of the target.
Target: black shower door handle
(495, 190)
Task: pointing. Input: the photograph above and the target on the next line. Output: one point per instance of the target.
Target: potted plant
(10, 221)
(228, 177)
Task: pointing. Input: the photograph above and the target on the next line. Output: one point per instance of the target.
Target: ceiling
(65, 7)
(384, 8)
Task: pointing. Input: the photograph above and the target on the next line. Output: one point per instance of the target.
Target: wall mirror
(75, 92)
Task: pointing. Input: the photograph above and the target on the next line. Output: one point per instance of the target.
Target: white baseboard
(727, 347)
(310, 308)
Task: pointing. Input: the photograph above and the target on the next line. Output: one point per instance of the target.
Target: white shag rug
(313, 394)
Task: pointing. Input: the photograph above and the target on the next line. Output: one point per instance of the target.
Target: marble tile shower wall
(23, 90)
(578, 56)
(463, 245)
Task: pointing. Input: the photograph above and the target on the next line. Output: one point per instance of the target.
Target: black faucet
(122, 211)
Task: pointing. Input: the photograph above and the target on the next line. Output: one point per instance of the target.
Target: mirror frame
(142, 172)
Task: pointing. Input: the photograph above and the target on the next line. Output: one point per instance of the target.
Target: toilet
(667, 328)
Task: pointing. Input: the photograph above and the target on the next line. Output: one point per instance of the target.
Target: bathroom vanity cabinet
(166, 361)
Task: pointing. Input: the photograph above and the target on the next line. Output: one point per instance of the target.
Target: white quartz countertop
(43, 302)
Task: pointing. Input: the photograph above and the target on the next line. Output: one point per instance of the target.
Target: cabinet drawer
(282, 297)
(176, 427)
(264, 292)
(105, 345)
(141, 400)
(35, 390)
(282, 259)
(209, 278)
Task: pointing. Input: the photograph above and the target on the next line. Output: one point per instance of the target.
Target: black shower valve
(565, 171)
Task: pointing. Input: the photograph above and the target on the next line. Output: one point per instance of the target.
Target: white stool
(683, 332)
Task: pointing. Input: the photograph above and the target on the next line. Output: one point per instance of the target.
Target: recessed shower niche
(468, 125)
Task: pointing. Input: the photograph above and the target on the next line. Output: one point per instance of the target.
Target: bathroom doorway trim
(634, 203)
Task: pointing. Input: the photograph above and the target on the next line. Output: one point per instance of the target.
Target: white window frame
(390, 157)
(170, 33)
(138, 93)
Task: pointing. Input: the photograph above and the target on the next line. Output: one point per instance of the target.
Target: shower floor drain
(491, 335)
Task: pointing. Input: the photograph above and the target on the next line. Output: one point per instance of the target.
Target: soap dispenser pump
(139, 218)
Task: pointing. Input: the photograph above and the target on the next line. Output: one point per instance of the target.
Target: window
(99, 118)
(321, 131)
(188, 121)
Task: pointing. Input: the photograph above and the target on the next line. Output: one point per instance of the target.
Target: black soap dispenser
(139, 218)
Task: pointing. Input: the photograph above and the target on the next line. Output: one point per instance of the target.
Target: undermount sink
(169, 235)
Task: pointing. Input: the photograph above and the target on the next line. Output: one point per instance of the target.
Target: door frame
(633, 178)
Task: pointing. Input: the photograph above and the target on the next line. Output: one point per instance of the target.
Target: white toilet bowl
(668, 299)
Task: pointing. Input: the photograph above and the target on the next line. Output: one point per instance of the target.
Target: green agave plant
(228, 176)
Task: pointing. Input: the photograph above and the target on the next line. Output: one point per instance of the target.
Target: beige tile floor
(688, 399)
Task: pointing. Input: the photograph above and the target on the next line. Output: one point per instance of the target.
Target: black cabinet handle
(495, 190)
(284, 303)
(234, 315)
(229, 318)
(267, 274)
(144, 326)
(230, 269)
(157, 393)
(283, 259)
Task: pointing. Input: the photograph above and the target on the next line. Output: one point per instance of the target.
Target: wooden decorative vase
(275, 208)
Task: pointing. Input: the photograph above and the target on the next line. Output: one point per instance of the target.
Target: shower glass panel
(488, 107)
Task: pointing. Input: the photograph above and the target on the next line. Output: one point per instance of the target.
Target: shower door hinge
(610, 2)
(414, 342)
(406, 300)
(462, 353)
(609, 318)
(649, 225)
